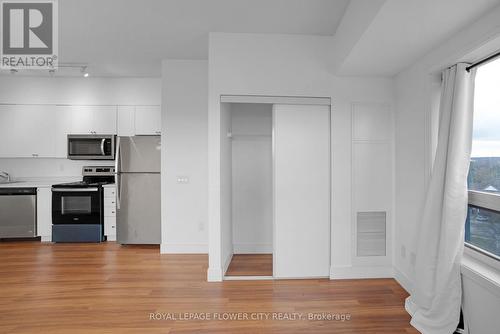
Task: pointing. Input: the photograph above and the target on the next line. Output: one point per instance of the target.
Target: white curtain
(436, 298)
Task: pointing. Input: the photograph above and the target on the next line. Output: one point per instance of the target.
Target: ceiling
(130, 37)
(369, 37)
(402, 31)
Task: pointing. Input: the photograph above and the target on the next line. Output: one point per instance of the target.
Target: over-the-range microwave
(91, 147)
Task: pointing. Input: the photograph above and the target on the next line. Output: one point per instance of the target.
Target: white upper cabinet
(42, 130)
(93, 119)
(105, 120)
(25, 131)
(147, 120)
(126, 121)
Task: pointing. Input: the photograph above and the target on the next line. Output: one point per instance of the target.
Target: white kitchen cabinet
(147, 120)
(105, 120)
(92, 119)
(44, 213)
(125, 120)
(42, 130)
(25, 131)
(110, 212)
(61, 127)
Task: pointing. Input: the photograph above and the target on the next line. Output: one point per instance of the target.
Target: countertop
(39, 182)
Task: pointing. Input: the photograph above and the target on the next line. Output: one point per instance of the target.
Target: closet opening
(274, 187)
(250, 157)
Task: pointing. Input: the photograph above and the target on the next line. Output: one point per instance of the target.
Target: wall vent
(371, 234)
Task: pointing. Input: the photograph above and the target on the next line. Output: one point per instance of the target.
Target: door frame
(216, 270)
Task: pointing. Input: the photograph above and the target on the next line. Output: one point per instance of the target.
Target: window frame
(488, 201)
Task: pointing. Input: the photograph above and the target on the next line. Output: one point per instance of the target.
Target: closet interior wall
(252, 202)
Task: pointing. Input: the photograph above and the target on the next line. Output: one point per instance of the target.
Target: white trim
(484, 200)
(253, 248)
(248, 278)
(354, 272)
(403, 280)
(273, 176)
(214, 275)
(481, 273)
(46, 238)
(226, 263)
(300, 277)
(110, 237)
(275, 99)
(479, 256)
(181, 248)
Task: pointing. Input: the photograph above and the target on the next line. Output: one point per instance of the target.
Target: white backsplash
(47, 167)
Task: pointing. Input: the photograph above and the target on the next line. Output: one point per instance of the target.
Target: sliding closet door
(301, 170)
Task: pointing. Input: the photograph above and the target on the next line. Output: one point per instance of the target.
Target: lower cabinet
(44, 213)
(110, 212)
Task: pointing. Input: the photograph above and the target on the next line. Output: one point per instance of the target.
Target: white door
(301, 135)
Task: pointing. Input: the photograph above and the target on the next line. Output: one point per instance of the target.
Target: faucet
(5, 176)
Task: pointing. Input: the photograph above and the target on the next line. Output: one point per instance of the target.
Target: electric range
(78, 207)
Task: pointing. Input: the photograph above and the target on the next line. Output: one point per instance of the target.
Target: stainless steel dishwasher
(17, 212)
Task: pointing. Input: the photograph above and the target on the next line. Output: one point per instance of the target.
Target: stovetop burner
(82, 184)
(92, 177)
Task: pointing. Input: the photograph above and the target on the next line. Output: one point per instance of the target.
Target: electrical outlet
(403, 251)
(182, 179)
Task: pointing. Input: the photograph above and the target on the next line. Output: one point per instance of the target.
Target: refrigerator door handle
(117, 173)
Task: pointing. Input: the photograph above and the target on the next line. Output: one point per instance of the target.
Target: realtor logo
(28, 34)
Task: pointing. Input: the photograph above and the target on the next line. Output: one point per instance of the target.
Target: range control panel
(98, 170)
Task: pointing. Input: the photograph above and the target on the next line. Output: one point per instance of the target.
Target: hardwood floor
(107, 288)
(251, 265)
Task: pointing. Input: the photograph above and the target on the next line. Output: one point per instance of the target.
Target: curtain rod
(481, 62)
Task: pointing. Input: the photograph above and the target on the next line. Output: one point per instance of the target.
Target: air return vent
(371, 234)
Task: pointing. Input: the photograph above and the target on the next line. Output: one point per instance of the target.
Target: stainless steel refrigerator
(138, 190)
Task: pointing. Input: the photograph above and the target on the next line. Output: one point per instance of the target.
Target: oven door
(77, 205)
(91, 147)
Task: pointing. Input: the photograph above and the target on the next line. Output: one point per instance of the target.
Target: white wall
(80, 91)
(74, 91)
(184, 154)
(417, 89)
(252, 208)
(288, 65)
(36, 168)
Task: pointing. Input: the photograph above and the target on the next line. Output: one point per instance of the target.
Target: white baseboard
(248, 278)
(46, 238)
(248, 248)
(403, 280)
(214, 275)
(217, 274)
(353, 272)
(227, 262)
(111, 237)
(171, 248)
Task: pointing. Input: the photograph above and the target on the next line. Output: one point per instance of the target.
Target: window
(482, 228)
